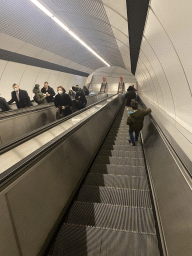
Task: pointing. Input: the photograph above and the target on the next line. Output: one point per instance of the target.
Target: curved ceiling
(101, 24)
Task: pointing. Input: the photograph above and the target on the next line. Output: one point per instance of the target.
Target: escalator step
(131, 219)
(74, 240)
(120, 147)
(119, 160)
(118, 169)
(113, 196)
(121, 153)
(116, 181)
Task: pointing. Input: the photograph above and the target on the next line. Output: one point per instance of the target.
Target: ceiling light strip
(48, 13)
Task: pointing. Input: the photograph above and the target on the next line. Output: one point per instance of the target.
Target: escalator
(112, 214)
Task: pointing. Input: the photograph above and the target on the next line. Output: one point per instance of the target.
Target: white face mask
(60, 92)
(16, 90)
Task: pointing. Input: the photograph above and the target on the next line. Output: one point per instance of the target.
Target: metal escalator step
(114, 196)
(103, 168)
(119, 160)
(130, 170)
(117, 217)
(106, 146)
(118, 169)
(121, 153)
(75, 240)
(117, 181)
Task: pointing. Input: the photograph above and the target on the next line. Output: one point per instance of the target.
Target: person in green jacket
(135, 121)
(39, 97)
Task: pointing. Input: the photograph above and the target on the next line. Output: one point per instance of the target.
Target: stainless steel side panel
(38, 197)
(25, 121)
(173, 192)
(8, 245)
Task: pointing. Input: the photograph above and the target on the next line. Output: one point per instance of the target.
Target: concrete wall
(164, 69)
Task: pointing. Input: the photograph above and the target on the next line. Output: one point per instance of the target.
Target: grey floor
(112, 214)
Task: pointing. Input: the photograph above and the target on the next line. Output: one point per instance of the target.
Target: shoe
(131, 143)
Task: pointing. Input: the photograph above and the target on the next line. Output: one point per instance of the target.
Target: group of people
(62, 100)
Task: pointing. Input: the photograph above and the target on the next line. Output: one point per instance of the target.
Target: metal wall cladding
(172, 192)
(38, 197)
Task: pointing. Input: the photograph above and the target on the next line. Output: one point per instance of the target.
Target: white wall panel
(42, 76)
(12, 74)
(29, 50)
(28, 79)
(175, 17)
(10, 43)
(167, 56)
(166, 53)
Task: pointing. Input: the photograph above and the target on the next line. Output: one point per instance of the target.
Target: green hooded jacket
(39, 97)
(135, 120)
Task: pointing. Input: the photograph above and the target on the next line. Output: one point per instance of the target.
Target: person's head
(60, 89)
(37, 86)
(134, 105)
(73, 88)
(46, 85)
(130, 88)
(15, 87)
(133, 85)
(121, 78)
(104, 79)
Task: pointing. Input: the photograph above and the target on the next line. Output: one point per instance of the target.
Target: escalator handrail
(46, 127)
(43, 150)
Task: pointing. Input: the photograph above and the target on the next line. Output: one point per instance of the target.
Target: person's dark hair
(14, 85)
(130, 88)
(134, 105)
(61, 88)
(76, 85)
(73, 88)
(45, 82)
(37, 86)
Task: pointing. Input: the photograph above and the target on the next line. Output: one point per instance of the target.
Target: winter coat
(4, 105)
(49, 91)
(24, 100)
(135, 120)
(39, 96)
(129, 96)
(82, 99)
(63, 100)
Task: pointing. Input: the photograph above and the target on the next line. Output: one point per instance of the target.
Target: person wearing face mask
(49, 92)
(63, 102)
(21, 97)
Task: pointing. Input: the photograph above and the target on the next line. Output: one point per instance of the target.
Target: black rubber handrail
(46, 127)
(16, 112)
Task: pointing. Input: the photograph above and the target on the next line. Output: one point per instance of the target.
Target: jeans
(132, 137)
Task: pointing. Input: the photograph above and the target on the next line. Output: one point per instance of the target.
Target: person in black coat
(21, 97)
(4, 105)
(48, 91)
(85, 90)
(130, 95)
(81, 99)
(63, 101)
